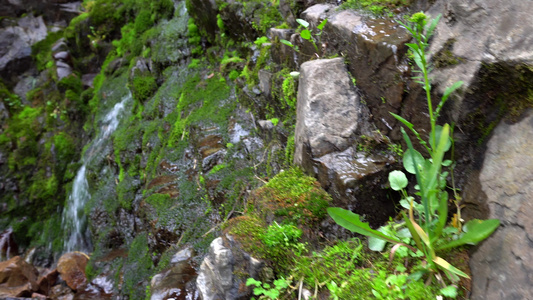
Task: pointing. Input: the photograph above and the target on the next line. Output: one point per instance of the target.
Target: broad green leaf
(304, 23)
(397, 180)
(286, 43)
(322, 24)
(474, 232)
(306, 34)
(447, 163)
(352, 222)
(376, 244)
(412, 159)
(438, 155)
(449, 291)
(448, 267)
(438, 131)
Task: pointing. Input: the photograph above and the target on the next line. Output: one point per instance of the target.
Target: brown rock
(17, 278)
(46, 280)
(71, 266)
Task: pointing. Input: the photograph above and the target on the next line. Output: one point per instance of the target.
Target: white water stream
(74, 222)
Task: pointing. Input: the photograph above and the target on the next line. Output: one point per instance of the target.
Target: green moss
(293, 195)
(42, 50)
(143, 87)
(143, 21)
(248, 230)
(138, 266)
(445, 57)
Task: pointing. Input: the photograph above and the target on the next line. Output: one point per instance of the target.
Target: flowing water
(74, 222)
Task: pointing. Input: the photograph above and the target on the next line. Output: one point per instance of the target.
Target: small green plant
(266, 291)
(306, 34)
(426, 218)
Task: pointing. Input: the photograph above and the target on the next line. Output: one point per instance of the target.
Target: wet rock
(61, 292)
(265, 124)
(356, 179)
(63, 69)
(8, 247)
(47, 279)
(265, 82)
(88, 79)
(374, 48)
(281, 53)
(177, 280)
(71, 266)
(15, 45)
(17, 278)
(502, 265)
(216, 277)
(327, 111)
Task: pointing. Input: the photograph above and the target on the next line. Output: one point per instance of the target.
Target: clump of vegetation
(376, 7)
(423, 232)
(295, 196)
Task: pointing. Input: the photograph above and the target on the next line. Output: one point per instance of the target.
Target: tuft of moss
(292, 194)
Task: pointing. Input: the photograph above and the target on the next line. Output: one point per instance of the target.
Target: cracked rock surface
(503, 264)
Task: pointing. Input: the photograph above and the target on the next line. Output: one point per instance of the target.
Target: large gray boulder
(327, 112)
(503, 264)
(329, 120)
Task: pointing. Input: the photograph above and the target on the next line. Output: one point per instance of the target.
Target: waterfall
(74, 222)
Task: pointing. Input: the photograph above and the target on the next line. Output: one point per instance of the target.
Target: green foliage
(265, 290)
(42, 50)
(428, 232)
(306, 34)
(376, 7)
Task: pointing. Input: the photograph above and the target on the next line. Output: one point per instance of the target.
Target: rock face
(175, 281)
(329, 118)
(327, 111)
(503, 264)
(217, 279)
(15, 45)
(375, 50)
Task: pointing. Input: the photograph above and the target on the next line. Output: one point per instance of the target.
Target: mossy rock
(291, 195)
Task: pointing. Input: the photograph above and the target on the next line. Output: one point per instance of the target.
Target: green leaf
(447, 163)
(305, 34)
(438, 131)
(322, 24)
(474, 232)
(413, 159)
(448, 267)
(449, 291)
(304, 23)
(376, 244)
(432, 26)
(397, 180)
(352, 222)
(286, 43)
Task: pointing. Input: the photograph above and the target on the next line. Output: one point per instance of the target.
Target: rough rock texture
(71, 266)
(15, 45)
(503, 264)
(217, 279)
(375, 49)
(17, 278)
(176, 280)
(327, 110)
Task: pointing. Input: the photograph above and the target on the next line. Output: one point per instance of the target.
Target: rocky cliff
(176, 141)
